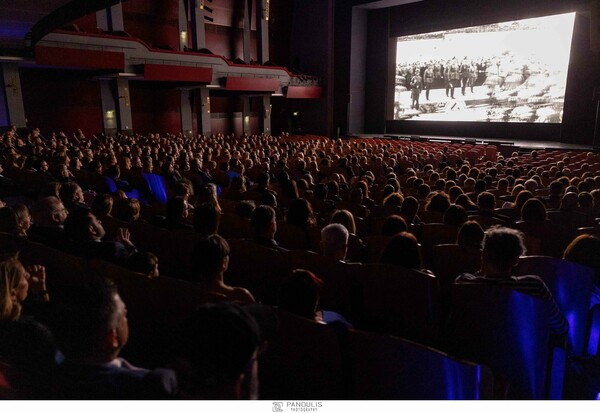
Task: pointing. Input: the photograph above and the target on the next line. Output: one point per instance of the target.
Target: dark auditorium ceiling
(19, 17)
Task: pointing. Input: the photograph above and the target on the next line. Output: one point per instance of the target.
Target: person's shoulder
(242, 295)
(465, 278)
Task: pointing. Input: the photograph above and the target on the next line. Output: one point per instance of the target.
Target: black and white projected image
(505, 72)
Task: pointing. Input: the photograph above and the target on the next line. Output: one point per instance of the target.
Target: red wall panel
(178, 73)
(61, 100)
(79, 58)
(252, 84)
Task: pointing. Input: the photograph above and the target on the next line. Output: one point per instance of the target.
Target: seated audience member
(177, 213)
(206, 219)
(211, 260)
(344, 217)
(300, 294)
(28, 357)
(533, 210)
(219, 347)
(464, 201)
(502, 248)
(455, 215)
(403, 250)
(520, 200)
(145, 263)
(356, 247)
(244, 208)
(394, 224)
(49, 216)
(15, 281)
(438, 202)
(127, 210)
(300, 214)
(264, 225)
(72, 196)
(23, 219)
(208, 193)
(470, 235)
(410, 209)
(334, 241)
(102, 208)
(486, 202)
(585, 250)
(89, 324)
(86, 232)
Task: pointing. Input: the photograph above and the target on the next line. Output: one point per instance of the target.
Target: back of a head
(83, 312)
(299, 293)
(486, 201)
(300, 213)
(28, 349)
(209, 256)
(206, 219)
(410, 206)
(334, 239)
(470, 235)
(218, 340)
(403, 250)
(344, 217)
(502, 247)
(533, 210)
(585, 250)
(455, 215)
(394, 199)
(392, 225)
(262, 218)
(569, 201)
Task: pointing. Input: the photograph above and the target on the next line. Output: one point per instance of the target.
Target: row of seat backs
(354, 364)
(374, 297)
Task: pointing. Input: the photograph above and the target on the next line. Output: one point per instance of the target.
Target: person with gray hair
(334, 241)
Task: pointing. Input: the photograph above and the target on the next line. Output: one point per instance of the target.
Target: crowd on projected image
(505, 72)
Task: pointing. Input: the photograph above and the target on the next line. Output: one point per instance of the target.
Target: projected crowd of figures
(505, 72)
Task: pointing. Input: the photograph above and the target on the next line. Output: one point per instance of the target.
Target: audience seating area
(414, 334)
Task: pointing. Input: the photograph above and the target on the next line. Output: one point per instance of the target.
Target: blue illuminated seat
(391, 368)
(157, 186)
(571, 285)
(509, 332)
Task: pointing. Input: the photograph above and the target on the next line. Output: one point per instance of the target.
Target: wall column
(182, 24)
(124, 121)
(262, 30)
(246, 115)
(187, 124)
(196, 16)
(13, 95)
(109, 108)
(246, 34)
(264, 116)
(110, 19)
(204, 111)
